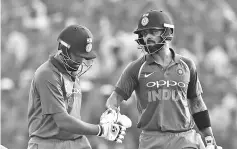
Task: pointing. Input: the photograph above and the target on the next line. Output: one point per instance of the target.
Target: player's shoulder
(136, 64)
(191, 64)
(45, 72)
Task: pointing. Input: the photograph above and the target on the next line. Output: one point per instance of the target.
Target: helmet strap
(66, 58)
(154, 49)
(80, 70)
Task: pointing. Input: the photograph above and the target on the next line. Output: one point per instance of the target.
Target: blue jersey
(52, 91)
(162, 94)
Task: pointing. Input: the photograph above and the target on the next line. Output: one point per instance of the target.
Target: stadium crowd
(206, 31)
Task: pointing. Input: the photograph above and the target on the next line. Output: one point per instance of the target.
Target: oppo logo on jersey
(166, 83)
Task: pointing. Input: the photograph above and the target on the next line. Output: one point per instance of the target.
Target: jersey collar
(54, 59)
(176, 58)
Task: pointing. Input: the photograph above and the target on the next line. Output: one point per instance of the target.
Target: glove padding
(112, 132)
(216, 147)
(111, 116)
(210, 142)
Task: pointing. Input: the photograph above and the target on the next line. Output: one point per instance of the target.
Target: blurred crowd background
(205, 31)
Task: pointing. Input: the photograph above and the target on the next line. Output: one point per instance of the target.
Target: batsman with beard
(167, 88)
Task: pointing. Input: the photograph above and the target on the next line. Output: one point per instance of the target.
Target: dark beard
(153, 48)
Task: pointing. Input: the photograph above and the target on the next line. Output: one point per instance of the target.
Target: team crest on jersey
(180, 72)
(68, 88)
(70, 102)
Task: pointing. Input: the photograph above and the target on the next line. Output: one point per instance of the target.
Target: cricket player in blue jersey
(54, 119)
(167, 89)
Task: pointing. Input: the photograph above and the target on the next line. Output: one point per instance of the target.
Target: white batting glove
(111, 116)
(210, 143)
(112, 132)
(213, 147)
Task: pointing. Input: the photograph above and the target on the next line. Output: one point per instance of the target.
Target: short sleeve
(128, 80)
(48, 86)
(194, 86)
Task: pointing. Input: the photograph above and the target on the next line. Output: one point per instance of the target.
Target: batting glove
(210, 143)
(112, 132)
(111, 116)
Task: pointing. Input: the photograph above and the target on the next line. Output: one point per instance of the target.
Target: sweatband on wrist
(202, 119)
(100, 130)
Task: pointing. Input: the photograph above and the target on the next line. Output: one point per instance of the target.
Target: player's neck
(163, 57)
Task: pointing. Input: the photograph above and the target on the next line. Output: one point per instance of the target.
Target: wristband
(100, 130)
(202, 119)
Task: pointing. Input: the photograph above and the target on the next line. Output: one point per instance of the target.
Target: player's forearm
(197, 105)
(208, 132)
(201, 116)
(114, 101)
(77, 126)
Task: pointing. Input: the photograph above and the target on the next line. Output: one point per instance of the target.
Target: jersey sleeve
(194, 86)
(128, 80)
(48, 86)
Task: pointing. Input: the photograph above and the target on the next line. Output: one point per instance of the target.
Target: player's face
(152, 36)
(75, 61)
(76, 58)
(80, 63)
